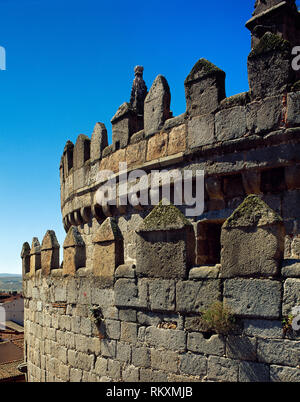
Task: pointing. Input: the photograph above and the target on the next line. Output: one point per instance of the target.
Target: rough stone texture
(261, 240)
(157, 106)
(204, 88)
(266, 115)
(253, 297)
(254, 372)
(293, 106)
(49, 252)
(157, 146)
(99, 141)
(108, 251)
(124, 124)
(74, 251)
(177, 140)
(195, 296)
(201, 131)
(231, 123)
(222, 370)
(291, 295)
(145, 323)
(164, 245)
(81, 151)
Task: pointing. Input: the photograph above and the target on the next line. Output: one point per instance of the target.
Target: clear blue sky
(70, 64)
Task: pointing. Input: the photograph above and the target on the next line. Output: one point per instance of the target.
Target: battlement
(146, 135)
(127, 299)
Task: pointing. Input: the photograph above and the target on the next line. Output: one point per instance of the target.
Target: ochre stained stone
(157, 146)
(177, 140)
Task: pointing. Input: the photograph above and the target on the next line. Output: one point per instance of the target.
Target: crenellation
(127, 301)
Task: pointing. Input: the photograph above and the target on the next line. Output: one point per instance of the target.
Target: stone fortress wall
(127, 301)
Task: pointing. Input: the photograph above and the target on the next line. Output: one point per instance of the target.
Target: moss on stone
(296, 86)
(164, 217)
(270, 43)
(236, 100)
(252, 212)
(202, 69)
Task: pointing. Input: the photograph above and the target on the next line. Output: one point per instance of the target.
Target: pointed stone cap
(35, 246)
(69, 145)
(123, 111)
(99, 141)
(202, 69)
(252, 212)
(270, 43)
(108, 231)
(25, 250)
(49, 241)
(267, 6)
(73, 238)
(165, 216)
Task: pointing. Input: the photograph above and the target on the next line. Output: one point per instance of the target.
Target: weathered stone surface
(278, 351)
(195, 296)
(269, 66)
(164, 360)
(241, 348)
(201, 131)
(293, 107)
(35, 256)
(157, 106)
(162, 295)
(108, 251)
(138, 91)
(222, 370)
(165, 244)
(284, 374)
(166, 338)
(231, 123)
(99, 141)
(265, 115)
(141, 356)
(215, 345)
(124, 124)
(136, 154)
(177, 140)
(193, 365)
(253, 297)
(209, 272)
(254, 372)
(252, 240)
(130, 294)
(125, 271)
(81, 151)
(204, 88)
(263, 328)
(291, 268)
(157, 146)
(74, 252)
(291, 295)
(25, 255)
(49, 252)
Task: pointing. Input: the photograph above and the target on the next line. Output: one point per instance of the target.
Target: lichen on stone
(202, 69)
(252, 212)
(164, 216)
(270, 43)
(296, 86)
